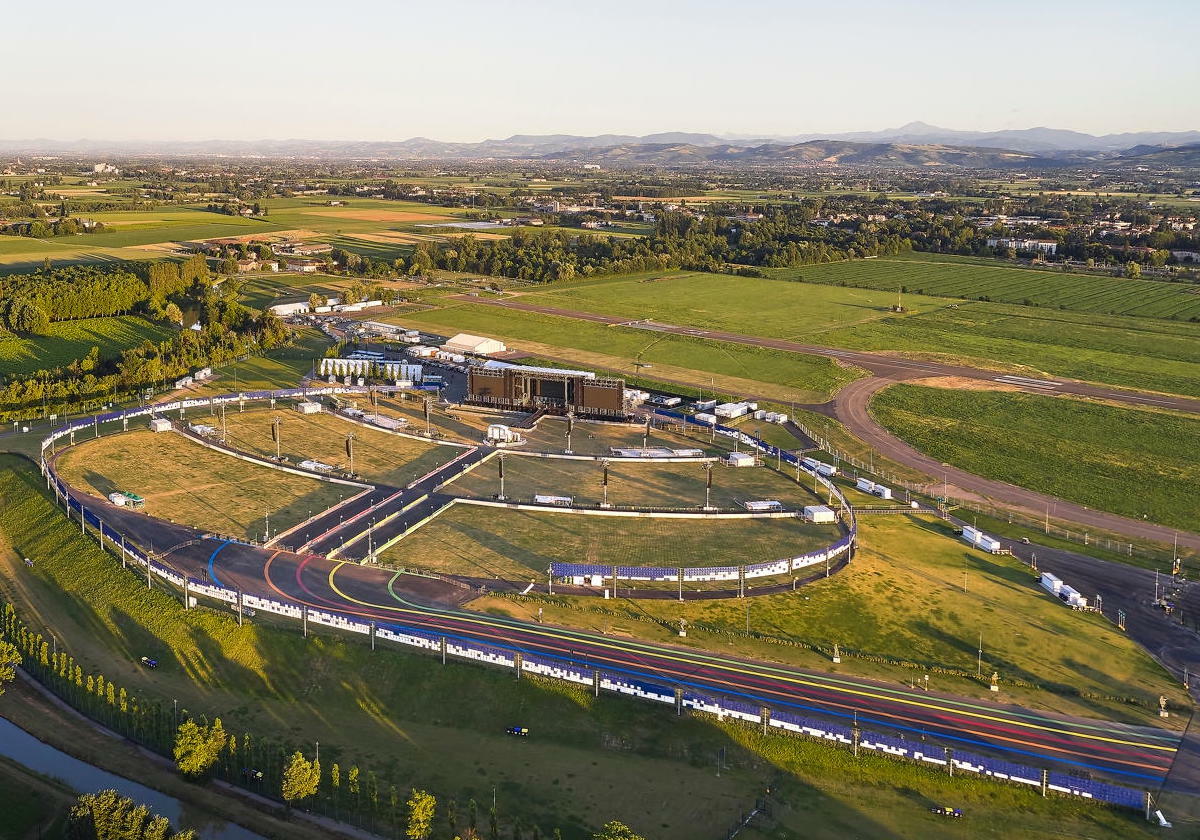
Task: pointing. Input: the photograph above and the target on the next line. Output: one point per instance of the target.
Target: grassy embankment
(418, 722)
(1132, 461)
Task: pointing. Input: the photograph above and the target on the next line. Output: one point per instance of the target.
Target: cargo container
(760, 414)
(970, 534)
(865, 485)
(883, 492)
(820, 467)
(706, 419)
(498, 433)
(989, 544)
(1051, 583)
(732, 410)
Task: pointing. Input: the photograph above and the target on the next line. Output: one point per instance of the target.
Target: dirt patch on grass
(375, 215)
(960, 383)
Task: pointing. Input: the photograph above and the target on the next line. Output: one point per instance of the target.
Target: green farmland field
(1143, 353)
(725, 302)
(735, 367)
(71, 340)
(932, 274)
(1136, 462)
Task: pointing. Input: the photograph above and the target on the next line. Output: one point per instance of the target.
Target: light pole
(604, 482)
(500, 466)
(708, 470)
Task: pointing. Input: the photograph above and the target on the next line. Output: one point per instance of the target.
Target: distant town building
(1045, 246)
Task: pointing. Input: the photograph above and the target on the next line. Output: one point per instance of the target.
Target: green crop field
(486, 542)
(72, 340)
(928, 274)
(418, 723)
(732, 368)
(1142, 353)
(725, 302)
(185, 482)
(1136, 462)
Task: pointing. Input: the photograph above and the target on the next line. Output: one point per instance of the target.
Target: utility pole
(604, 482)
(979, 658)
(570, 428)
(500, 466)
(708, 469)
(275, 421)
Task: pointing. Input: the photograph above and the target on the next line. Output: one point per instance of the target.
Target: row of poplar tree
(204, 749)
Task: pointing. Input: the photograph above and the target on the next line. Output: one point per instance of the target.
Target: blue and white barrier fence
(554, 667)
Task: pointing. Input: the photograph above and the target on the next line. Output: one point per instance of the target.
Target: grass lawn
(486, 542)
(731, 368)
(33, 806)
(1144, 353)
(679, 485)
(1132, 461)
(418, 723)
(935, 274)
(71, 340)
(378, 456)
(913, 594)
(282, 367)
(725, 302)
(185, 482)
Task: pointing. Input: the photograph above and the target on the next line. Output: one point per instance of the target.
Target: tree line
(281, 770)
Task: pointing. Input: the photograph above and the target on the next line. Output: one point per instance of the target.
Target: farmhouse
(305, 266)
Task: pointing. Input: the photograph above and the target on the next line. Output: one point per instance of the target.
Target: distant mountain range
(914, 144)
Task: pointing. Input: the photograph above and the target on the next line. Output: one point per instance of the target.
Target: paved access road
(850, 406)
(1135, 755)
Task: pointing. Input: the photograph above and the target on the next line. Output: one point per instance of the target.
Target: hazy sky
(392, 69)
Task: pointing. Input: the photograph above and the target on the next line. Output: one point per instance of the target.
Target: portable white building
(739, 459)
(476, 345)
(308, 407)
(865, 485)
(160, 424)
(763, 506)
(820, 514)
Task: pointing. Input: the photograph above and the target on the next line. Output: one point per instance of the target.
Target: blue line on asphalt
(212, 572)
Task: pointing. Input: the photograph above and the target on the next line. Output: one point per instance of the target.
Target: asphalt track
(1135, 755)
(1140, 756)
(850, 406)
